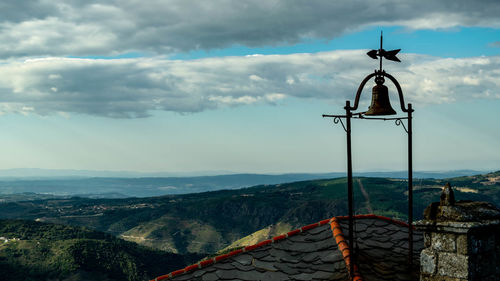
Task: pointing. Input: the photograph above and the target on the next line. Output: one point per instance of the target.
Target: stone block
(444, 242)
(462, 244)
(453, 265)
(427, 239)
(428, 261)
(440, 278)
(446, 278)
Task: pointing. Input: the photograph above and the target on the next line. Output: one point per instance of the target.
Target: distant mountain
(80, 183)
(144, 187)
(421, 174)
(36, 173)
(40, 251)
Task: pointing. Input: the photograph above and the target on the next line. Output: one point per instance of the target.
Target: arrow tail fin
(391, 55)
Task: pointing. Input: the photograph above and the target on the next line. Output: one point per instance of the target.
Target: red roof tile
(337, 235)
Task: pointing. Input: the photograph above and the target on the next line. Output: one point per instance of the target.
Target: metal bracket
(337, 119)
(399, 121)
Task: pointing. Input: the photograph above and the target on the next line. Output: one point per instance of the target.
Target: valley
(203, 223)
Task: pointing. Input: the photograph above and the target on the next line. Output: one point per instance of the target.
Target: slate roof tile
(210, 269)
(302, 277)
(268, 258)
(224, 265)
(321, 275)
(310, 257)
(316, 252)
(268, 266)
(285, 268)
(198, 273)
(241, 267)
(244, 259)
(210, 277)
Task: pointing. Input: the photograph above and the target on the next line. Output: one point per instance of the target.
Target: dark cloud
(19, 11)
(130, 88)
(84, 27)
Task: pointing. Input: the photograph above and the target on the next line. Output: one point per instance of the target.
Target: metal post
(410, 191)
(349, 188)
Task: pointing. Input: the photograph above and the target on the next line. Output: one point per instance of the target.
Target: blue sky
(458, 42)
(178, 86)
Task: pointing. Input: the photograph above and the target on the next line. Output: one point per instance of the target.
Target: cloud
(450, 80)
(130, 88)
(81, 27)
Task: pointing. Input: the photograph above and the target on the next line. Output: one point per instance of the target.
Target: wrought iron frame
(347, 128)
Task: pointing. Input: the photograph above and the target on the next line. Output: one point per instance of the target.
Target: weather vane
(381, 53)
(379, 109)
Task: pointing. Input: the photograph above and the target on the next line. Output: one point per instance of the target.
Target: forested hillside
(40, 251)
(206, 222)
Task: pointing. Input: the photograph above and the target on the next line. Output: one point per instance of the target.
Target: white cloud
(274, 97)
(255, 77)
(128, 88)
(447, 80)
(232, 100)
(54, 76)
(81, 27)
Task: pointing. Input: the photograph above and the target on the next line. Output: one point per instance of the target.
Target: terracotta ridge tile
(177, 272)
(343, 246)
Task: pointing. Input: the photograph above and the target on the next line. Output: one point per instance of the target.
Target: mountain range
(102, 184)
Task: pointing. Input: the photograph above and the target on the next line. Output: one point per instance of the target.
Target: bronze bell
(380, 101)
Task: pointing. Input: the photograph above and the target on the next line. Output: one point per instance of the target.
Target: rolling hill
(40, 251)
(206, 222)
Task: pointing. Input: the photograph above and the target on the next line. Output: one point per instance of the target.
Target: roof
(316, 252)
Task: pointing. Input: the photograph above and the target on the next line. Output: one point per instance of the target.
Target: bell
(380, 101)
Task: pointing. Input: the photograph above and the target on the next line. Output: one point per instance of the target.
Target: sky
(240, 86)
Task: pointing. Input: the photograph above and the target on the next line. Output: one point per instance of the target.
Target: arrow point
(372, 54)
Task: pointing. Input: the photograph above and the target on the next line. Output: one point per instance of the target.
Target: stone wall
(461, 251)
(461, 240)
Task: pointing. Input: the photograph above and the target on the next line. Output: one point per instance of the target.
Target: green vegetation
(207, 222)
(40, 251)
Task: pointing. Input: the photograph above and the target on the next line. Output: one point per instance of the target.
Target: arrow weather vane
(389, 55)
